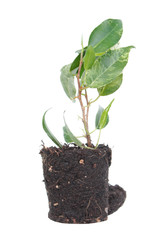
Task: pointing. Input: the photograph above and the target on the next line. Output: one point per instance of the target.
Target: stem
(80, 136)
(89, 148)
(95, 99)
(87, 127)
(98, 138)
(93, 131)
(90, 102)
(84, 116)
(85, 136)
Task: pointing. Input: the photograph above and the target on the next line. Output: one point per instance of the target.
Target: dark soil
(77, 186)
(117, 196)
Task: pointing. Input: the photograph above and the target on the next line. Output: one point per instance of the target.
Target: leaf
(76, 62)
(80, 50)
(82, 70)
(74, 71)
(107, 67)
(89, 58)
(67, 80)
(106, 35)
(49, 133)
(104, 119)
(69, 137)
(111, 87)
(98, 117)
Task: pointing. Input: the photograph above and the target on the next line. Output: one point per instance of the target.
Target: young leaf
(107, 67)
(67, 80)
(104, 119)
(98, 117)
(106, 35)
(69, 137)
(111, 87)
(49, 133)
(89, 58)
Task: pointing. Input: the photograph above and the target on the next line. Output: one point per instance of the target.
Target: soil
(117, 197)
(77, 186)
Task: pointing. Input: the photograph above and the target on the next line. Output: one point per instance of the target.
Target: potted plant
(76, 173)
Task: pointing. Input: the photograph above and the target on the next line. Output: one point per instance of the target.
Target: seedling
(98, 65)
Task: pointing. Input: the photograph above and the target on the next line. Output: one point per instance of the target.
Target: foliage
(49, 133)
(99, 65)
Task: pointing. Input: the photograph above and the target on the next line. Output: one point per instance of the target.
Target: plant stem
(93, 131)
(85, 116)
(90, 102)
(95, 99)
(85, 136)
(89, 148)
(81, 136)
(98, 138)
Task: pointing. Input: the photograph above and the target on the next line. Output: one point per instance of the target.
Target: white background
(36, 39)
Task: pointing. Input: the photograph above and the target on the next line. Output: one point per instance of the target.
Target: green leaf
(111, 87)
(76, 62)
(104, 119)
(106, 35)
(98, 117)
(67, 80)
(69, 137)
(49, 133)
(89, 58)
(82, 70)
(74, 71)
(107, 67)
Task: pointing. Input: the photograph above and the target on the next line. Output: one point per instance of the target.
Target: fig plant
(98, 65)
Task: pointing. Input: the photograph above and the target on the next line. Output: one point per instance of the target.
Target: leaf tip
(132, 47)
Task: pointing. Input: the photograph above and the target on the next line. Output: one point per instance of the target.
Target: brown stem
(85, 116)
